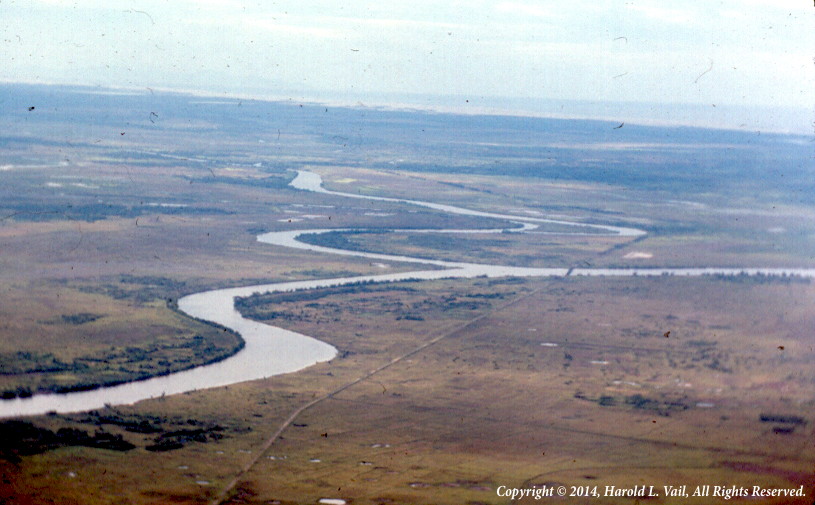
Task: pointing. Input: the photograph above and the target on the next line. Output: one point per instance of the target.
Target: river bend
(271, 351)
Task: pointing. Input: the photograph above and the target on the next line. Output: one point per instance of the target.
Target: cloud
(143, 4)
(280, 24)
(275, 26)
(787, 5)
(523, 9)
(393, 23)
(516, 48)
(666, 15)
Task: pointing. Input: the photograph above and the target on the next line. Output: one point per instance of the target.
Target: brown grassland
(442, 391)
(615, 403)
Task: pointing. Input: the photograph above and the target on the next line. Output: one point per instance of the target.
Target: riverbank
(271, 351)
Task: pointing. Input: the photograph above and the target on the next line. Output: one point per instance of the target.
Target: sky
(740, 63)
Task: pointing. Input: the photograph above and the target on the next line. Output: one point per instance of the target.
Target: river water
(271, 351)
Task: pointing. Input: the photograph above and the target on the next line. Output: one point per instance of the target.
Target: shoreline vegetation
(117, 366)
(113, 430)
(440, 391)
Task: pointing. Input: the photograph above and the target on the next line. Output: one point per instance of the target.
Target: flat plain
(114, 206)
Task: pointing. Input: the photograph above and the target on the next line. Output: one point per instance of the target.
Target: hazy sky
(708, 53)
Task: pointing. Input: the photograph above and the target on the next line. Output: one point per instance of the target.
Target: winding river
(271, 351)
